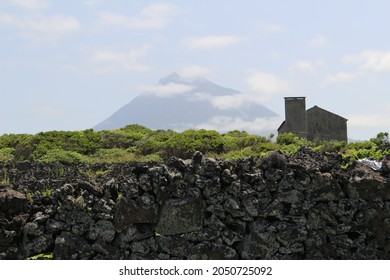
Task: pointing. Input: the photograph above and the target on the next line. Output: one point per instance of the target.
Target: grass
(42, 256)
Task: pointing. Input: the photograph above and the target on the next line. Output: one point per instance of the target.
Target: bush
(155, 142)
(235, 154)
(287, 139)
(112, 155)
(138, 143)
(382, 138)
(150, 158)
(7, 154)
(184, 144)
(66, 157)
(330, 146)
(263, 148)
(235, 140)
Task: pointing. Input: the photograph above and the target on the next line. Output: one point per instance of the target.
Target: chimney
(296, 121)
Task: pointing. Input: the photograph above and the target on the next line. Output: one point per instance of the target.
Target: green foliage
(111, 156)
(155, 142)
(133, 128)
(290, 149)
(43, 256)
(138, 143)
(330, 146)
(92, 173)
(66, 157)
(5, 180)
(186, 143)
(381, 138)
(29, 196)
(287, 139)
(355, 154)
(376, 148)
(382, 141)
(23, 145)
(235, 140)
(7, 154)
(150, 158)
(265, 147)
(47, 192)
(235, 154)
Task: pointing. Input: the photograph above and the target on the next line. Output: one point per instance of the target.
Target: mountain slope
(177, 103)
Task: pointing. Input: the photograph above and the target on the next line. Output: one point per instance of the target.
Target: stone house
(314, 123)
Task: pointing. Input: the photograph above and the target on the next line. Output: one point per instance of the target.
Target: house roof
(316, 108)
(281, 125)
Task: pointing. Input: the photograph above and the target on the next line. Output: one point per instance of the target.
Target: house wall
(323, 125)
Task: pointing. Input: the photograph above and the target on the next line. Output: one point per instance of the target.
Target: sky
(68, 65)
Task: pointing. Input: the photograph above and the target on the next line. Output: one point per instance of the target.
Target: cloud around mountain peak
(181, 103)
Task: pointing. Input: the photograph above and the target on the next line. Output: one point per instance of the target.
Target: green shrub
(287, 139)
(236, 140)
(330, 146)
(150, 158)
(235, 154)
(186, 143)
(7, 154)
(112, 155)
(263, 148)
(290, 149)
(67, 157)
(155, 142)
(138, 143)
(381, 139)
(43, 256)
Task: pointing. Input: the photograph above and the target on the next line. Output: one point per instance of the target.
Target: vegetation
(44, 256)
(138, 143)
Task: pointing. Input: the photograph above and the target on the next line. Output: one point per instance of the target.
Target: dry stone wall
(299, 207)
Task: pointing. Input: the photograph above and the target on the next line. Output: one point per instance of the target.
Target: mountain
(178, 103)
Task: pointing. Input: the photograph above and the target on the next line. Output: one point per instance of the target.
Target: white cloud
(167, 90)
(41, 28)
(262, 86)
(222, 102)
(211, 42)
(31, 4)
(155, 16)
(225, 123)
(228, 101)
(267, 84)
(92, 2)
(369, 121)
(318, 41)
(107, 61)
(270, 28)
(370, 60)
(303, 66)
(307, 66)
(193, 71)
(340, 77)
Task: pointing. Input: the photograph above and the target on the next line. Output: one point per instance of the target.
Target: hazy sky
(68, 65)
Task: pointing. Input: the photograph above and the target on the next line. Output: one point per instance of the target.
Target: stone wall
(278, 207)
